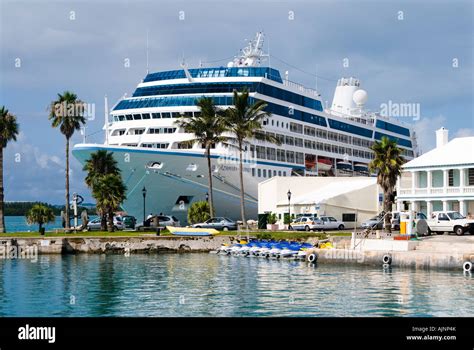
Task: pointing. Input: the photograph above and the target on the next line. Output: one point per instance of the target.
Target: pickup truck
(449, 221)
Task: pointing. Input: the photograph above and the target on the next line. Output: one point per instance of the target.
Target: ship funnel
(343, 101)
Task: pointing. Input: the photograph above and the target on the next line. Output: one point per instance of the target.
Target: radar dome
(230, 64)
(360, 97)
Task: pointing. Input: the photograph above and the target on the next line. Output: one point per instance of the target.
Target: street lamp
(289, 199)
(144, 196)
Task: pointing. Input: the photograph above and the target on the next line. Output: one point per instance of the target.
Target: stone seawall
(100, 245)
(409, 259)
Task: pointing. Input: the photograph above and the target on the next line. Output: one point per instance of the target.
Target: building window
(253, 172)
(470, 177)
(264, 172)
(259, 172)
(349, 217)
(450, 177)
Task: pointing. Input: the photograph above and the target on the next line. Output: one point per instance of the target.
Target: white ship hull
(172, 188)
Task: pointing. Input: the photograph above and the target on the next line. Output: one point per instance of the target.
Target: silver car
(218, 223)
(163, 221)
(94, 225)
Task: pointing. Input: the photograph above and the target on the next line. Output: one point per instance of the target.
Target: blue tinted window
(399, 141)
(203, 88)
(270, 73)
(381, 124)
(335, 124)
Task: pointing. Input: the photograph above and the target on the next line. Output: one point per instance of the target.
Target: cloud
(425, 130)
(464, 132)
(30, 173)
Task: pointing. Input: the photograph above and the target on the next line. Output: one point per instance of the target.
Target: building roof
(332, 189)
(456, 152)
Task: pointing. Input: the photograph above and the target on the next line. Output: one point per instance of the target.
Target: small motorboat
(191, 231)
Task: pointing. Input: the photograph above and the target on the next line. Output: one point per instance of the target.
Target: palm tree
(40, 214)
(8, 132)
(67, 113)
(387, 163)
(109, 192)
(99, 164)
(207, 128)
(244, 121)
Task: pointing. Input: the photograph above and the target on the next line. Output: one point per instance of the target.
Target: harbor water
(19, 224)
(198, 284)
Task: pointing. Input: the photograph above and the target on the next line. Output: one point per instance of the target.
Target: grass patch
(340, 234)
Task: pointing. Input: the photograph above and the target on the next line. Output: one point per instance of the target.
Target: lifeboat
(324, 164)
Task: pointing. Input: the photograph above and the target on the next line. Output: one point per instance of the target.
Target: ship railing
(301, 88)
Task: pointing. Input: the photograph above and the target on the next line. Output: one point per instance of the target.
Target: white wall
(272, 197)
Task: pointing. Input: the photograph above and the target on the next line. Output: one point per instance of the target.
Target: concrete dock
(439, 252)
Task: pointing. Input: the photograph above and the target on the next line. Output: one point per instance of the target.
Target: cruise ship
(315, 139)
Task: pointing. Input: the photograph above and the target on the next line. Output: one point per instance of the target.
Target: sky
(417, 52)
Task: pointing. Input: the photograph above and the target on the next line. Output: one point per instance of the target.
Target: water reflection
(211, 285)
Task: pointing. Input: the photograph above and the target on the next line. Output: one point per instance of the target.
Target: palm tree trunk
(67, 225)
(110, 226)
(242, 191)
(103, 220)
(2, 217)
(211, 198)
(387, 208)
(40, 226)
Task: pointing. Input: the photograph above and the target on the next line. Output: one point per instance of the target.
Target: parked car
(129, 221)
(449, 221)
(218, 223)
(94, 225)
(375, 223)
(306, 223)
(396, 219)
(163, 221)
(330, 223)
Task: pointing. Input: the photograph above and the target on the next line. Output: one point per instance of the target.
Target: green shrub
(40, 214)
(198, 212)
(286, 219)
(272, 218)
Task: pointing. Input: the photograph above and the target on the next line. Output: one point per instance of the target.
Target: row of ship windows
(289, 112)
(293, 127)
(267, 173)
(205, 88)
(120, 132)
(144, 116)
(270, 153)
(219, 72)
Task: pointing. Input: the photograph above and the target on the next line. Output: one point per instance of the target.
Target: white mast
(252, 54)
(106, 115)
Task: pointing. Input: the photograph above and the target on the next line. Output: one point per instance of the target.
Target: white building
(344, 198)
(441, 179)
